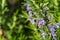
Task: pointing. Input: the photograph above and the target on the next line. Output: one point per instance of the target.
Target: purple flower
(51, 27)
(27, 6)
(54, 37)
(41, 22)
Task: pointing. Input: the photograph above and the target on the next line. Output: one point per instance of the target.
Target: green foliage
(20, 26)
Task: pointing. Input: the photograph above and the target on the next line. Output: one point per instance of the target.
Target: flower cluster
(30, 18)
(40, 21)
